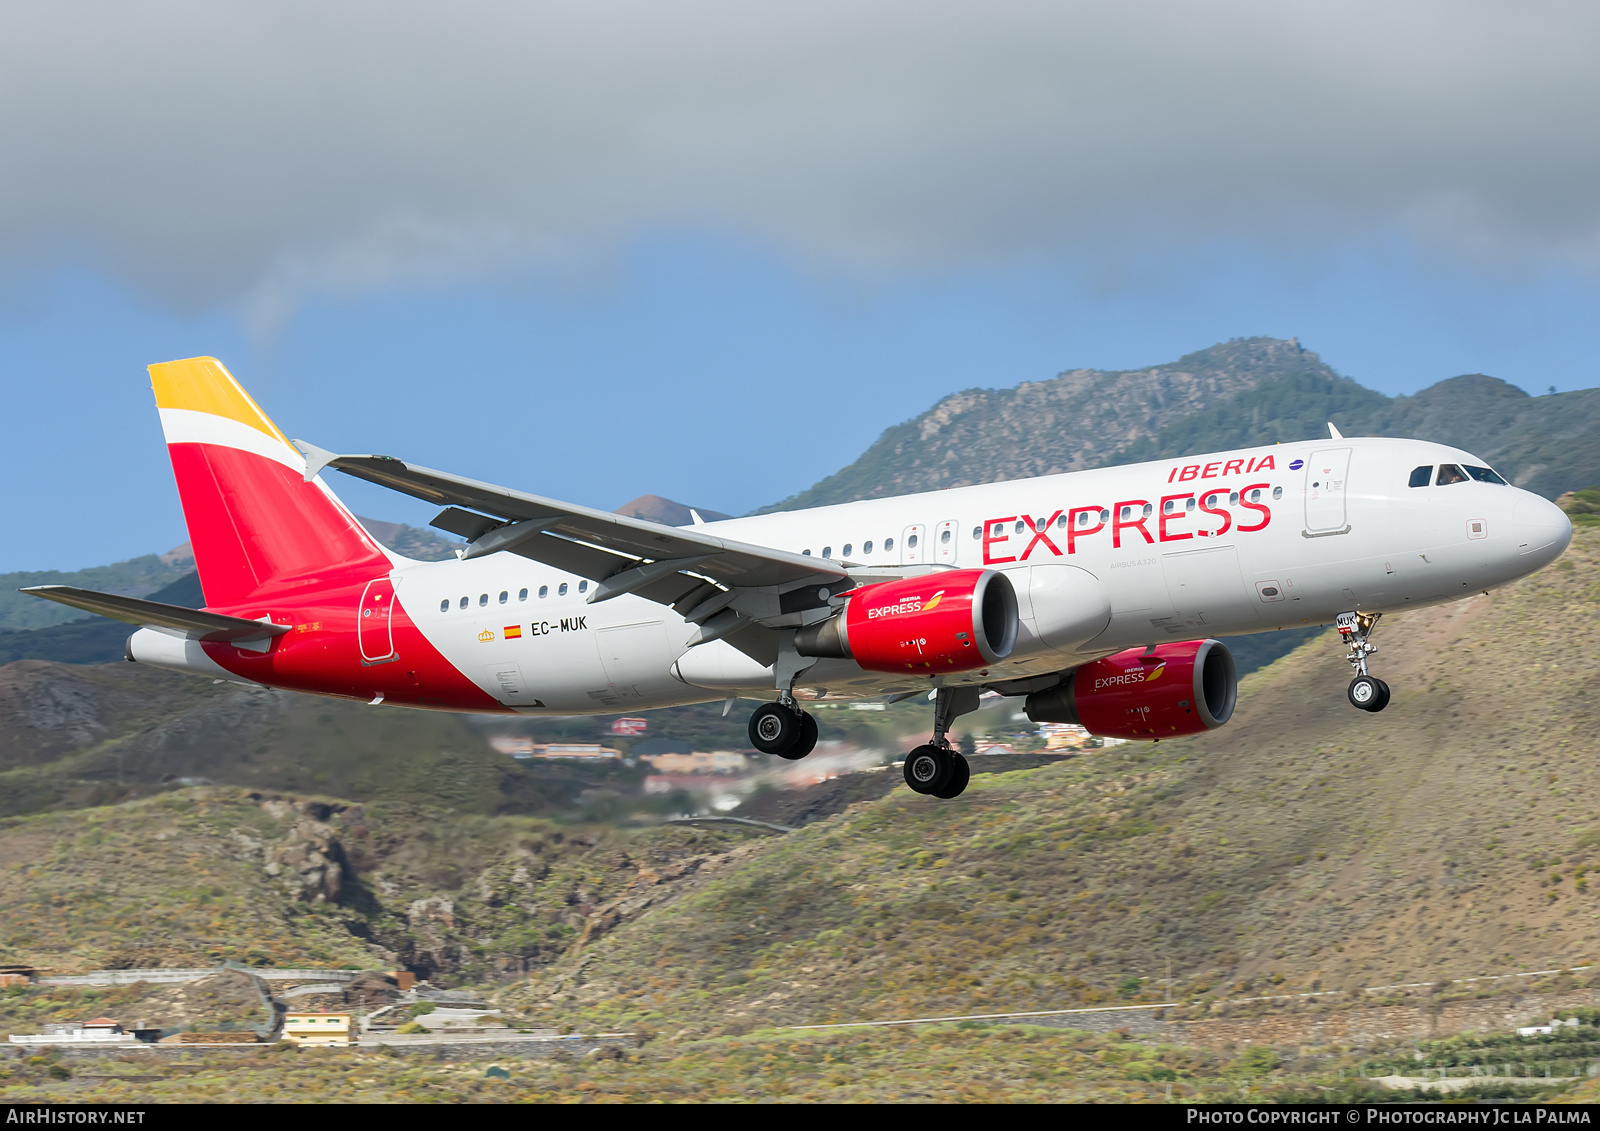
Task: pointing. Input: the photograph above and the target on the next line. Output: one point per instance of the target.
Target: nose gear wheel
(1366, 692)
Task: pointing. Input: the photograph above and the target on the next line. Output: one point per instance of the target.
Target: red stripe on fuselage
(322, 654)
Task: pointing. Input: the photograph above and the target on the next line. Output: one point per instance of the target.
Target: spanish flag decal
(512, 632)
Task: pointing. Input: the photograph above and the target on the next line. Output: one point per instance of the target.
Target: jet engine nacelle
(953, 621)
(1176, 689)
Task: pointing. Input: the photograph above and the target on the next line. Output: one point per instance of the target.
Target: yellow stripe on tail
(202, 384)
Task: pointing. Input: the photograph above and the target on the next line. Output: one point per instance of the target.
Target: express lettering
(909, 605)
(1119, 680)
(1210, 508)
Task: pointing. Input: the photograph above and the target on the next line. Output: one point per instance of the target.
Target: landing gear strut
(782, 728)
(1366, 691)
(935, 769)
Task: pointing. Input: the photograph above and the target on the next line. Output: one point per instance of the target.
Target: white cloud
(251, 152)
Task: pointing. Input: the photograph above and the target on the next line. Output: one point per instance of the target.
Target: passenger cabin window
(522, 595)
(444, 605)
(866, 548)
(562, 591)
(827, 551)
(944, 537)
(544, 591)
(1484, 475)
(464, 601)
(846, 550)
(1421, 475)
(888, 545)
(504, 596)
(1018, 528)
(1277, 492)
(1061, 520)
(977, 533)
(911, 542)
(583, 587)
(1449, 473)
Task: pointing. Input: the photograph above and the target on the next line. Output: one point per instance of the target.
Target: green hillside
(1253, 391)
(137, 577)
(1306, 846)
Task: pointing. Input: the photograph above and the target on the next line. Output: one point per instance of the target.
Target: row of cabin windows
(1453, 473)
(866, 548)
(505, 596)
(1040, 525)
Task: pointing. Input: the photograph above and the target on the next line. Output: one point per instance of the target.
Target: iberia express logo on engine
(1132, 675)
(907, 605)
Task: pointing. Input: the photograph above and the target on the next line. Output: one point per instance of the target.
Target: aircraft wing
(154, 614)
(626, 555)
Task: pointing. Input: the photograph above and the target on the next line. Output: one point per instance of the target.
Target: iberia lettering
(1189, 472)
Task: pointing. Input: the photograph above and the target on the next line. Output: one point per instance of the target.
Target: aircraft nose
(1542, 529)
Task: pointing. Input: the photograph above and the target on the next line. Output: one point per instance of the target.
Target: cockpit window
(1484, 475)
(1421, 475)
(1449, 473)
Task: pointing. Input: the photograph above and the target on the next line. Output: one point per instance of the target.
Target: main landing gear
(783, 729)
(935, 769)
(1366, 692)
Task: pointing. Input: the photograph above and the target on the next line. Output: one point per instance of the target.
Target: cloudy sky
(712, 249)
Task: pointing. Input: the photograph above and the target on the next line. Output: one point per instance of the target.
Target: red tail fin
(258, 528)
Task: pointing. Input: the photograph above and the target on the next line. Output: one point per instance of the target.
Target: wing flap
(154, 614)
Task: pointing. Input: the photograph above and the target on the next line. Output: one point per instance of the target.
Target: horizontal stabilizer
(154, 614)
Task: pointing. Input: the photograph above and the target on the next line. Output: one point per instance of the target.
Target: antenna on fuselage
(1334, 433)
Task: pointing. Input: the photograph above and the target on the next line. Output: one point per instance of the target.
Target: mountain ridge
(1235, 394)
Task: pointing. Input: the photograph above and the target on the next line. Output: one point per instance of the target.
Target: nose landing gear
(935, 769)
(1366, 691)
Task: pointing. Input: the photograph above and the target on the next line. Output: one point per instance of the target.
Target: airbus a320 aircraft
(1095, 596)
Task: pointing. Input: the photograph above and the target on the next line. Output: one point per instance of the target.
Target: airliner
(1096, 597)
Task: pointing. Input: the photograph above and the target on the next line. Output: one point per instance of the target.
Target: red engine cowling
(1177, 689)
(953, 621)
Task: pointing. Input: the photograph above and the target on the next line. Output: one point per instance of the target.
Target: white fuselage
(1239, 542)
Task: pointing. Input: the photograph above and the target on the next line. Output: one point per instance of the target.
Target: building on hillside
(583, 751)
(320, 1028)
(525, 749)
(99, 1031)
(11, 975)
(987, 747)
(698, 762)
(1064, 736)
(629, 728)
